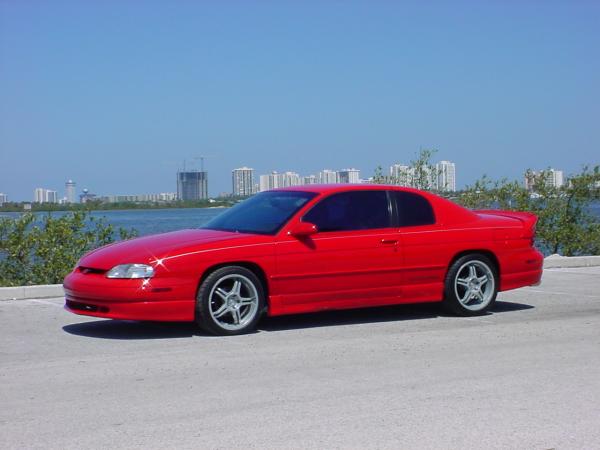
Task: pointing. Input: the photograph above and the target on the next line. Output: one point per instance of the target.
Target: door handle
(389, 241)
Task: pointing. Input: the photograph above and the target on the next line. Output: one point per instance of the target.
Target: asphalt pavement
(525, 376)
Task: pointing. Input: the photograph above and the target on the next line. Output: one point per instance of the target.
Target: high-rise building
(3, 199)
(557, 178)
(348, 176)
(310, 179)
(272, 180)
(290, 179)
(264, 182)
(192, 185)
(70, 194)
(554, 178)
(401, 174)
(327, 176)
(529, 180)
(446, 176)
(41, 195)
(276, 180)
(51, 196)
(243, 181)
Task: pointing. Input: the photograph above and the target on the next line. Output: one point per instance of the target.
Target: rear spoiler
(525, 217)
(528, 219)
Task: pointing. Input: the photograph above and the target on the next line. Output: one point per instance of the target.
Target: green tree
(421, 174)
(565, 224)
(34, 251)
(379, 177)
(424, 172)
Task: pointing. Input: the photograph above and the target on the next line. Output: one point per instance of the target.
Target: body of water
(149, 221)
(153, 221)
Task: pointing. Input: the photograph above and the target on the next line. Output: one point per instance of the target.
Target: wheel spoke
(246, 300)
(221, 293)
(472, 271)
(235, 313)
(237, 286)
(483, 280)
(462, 282)
(221, 311)
(467, 296)
(479, 295)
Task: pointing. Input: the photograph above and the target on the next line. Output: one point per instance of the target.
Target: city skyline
(442, 179)
(222, 181)
(91, 91)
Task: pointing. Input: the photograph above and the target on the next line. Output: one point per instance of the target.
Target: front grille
(79, 306)
(90, 270)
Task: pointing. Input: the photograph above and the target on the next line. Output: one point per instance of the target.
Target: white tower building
(402, 174)
(327, 176)
(348, 176)
(70, 194)
(243, 181)
(39, 195)
(446, 176)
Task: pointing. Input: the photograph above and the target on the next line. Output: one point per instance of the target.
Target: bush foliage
(565, 223)
(44, 249)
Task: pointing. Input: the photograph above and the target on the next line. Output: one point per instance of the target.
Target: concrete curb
(25, 292)
(557, 261)
(56, 290)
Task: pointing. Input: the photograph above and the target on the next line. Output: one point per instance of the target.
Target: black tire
(454, 290)
(205, 305)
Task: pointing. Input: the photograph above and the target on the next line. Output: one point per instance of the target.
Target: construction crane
(196, 158)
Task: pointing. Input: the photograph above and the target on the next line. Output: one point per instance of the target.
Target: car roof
(344, 187)
(447, 212)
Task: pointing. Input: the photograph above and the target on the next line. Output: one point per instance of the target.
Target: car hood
(147, 249)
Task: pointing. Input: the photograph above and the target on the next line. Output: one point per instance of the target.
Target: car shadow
(395, 313)
(131, 330)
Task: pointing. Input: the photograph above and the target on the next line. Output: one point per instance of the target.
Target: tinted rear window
(413, 209)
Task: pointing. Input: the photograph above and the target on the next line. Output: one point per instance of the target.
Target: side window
(355, 210)
(413, 209)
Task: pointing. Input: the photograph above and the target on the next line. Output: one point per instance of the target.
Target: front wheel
(230, 301)
(471, 285)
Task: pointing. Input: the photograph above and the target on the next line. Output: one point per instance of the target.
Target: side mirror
(303, 229)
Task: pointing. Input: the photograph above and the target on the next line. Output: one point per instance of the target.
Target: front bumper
(155, 299)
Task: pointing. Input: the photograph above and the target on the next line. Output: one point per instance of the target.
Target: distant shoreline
(93, 206)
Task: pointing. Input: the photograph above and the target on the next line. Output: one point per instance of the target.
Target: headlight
(131, 271)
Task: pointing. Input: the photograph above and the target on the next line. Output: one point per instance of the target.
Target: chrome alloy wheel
(233, 302)
(474, 285)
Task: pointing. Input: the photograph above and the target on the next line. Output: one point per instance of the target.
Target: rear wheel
(471, 285)
(230, 301)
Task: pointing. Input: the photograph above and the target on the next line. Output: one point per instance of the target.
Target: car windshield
(264, 213)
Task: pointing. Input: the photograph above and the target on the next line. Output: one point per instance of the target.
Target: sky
(117, 94)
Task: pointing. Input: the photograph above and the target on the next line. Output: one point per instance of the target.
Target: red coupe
(311, 248)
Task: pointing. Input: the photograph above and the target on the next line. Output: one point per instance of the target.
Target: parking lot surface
(525, 376)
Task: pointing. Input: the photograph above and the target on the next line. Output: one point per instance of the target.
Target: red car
(311, 248)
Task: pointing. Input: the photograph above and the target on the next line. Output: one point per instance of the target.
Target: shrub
(565, 223)
(44, 249)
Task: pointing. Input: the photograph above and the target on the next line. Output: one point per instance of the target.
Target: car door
(352, 260)
(422, 244)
